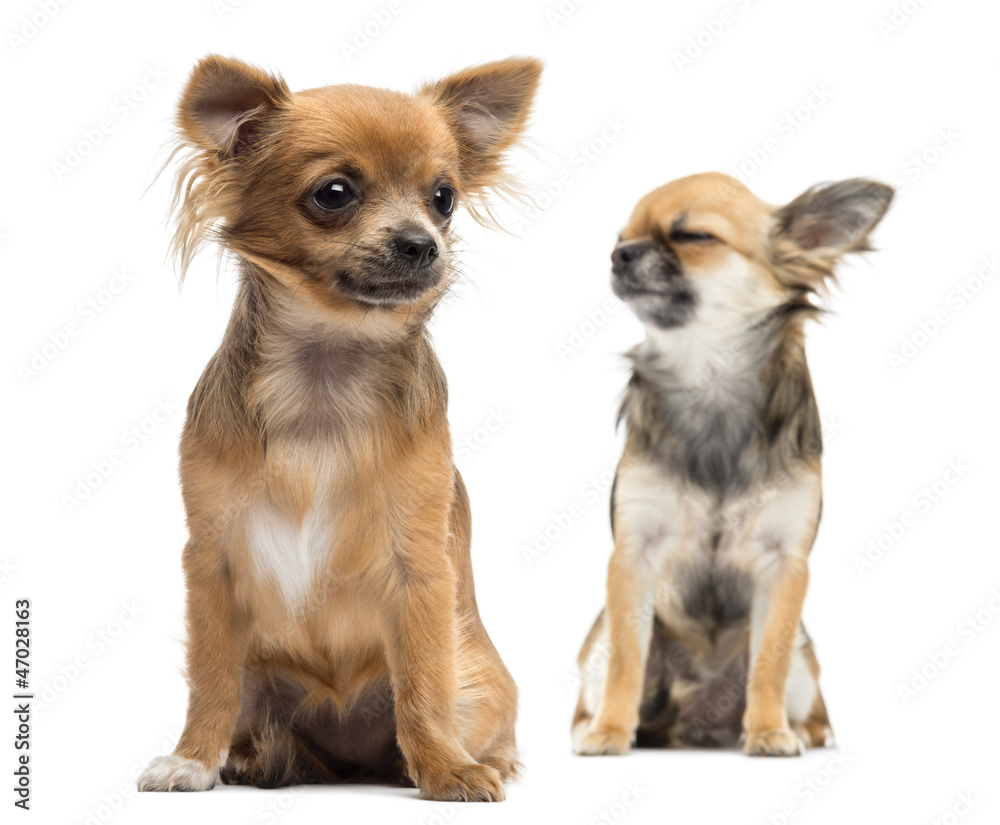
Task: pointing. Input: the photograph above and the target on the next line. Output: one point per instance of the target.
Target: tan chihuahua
(717, 498)
(332, 625)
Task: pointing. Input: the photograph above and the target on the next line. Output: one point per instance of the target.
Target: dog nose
(417, 247)
(626, 252)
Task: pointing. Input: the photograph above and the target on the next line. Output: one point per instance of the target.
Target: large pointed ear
(487, 107)
(225, 102)
(832, 219)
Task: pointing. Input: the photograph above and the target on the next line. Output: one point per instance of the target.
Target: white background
(880, 99)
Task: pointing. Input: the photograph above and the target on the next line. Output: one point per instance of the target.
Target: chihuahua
(717, 497)
(333, 633)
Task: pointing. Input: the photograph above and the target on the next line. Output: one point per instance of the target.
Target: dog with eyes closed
(333, 633)
(716, 501)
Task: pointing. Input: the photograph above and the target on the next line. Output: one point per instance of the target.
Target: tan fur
(716, 502)
(618, 715)
(322, 420)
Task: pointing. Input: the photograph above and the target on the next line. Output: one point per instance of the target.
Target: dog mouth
(665, 305)
(632, 292)
(387, 287)
(628, 286)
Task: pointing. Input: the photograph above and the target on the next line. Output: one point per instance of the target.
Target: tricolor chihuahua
(332, 625)
(717, 498)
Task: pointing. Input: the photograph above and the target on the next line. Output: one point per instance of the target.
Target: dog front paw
(463, 783)
(777, 742)
(601, 741)
(175, 773)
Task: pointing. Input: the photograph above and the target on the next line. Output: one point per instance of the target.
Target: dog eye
(334, 195)
(680, 236)
(444, 200)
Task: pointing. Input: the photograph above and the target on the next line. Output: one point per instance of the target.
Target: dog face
(704, 248)
(345, 192)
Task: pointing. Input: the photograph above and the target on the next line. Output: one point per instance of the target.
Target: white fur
(174, 773)
(729, 301)
(775, 520)
(671, 525)
(594, 673)
(732, 292)
(662, 517)
(289, 553)
(801, 688)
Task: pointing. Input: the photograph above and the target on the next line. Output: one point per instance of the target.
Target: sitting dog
(717, 498)
(332, 625)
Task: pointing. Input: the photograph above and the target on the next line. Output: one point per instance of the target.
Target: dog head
(344, 194)
(705, 248)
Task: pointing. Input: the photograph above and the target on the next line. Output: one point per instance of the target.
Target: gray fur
(837, 216)
(769, 422)
(717, 597)
(689, 699)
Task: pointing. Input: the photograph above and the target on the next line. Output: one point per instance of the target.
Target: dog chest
(702, 557)
(288, 551)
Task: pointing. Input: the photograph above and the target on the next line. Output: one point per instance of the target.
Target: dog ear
(487, 107)
(832, 219)
(225, 102)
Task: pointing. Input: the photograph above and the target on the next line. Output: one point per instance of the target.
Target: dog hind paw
(814, 734)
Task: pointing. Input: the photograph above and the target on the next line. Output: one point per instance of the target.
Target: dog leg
(629, 617)
(421, 649)
(215, 655)
(776, 612)
(806, 709)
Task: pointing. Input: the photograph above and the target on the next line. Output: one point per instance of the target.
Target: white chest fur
(663, 523)
(289, 553)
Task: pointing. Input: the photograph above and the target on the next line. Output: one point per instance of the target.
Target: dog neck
(289, 368)
(707, 359)
(707, 399)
